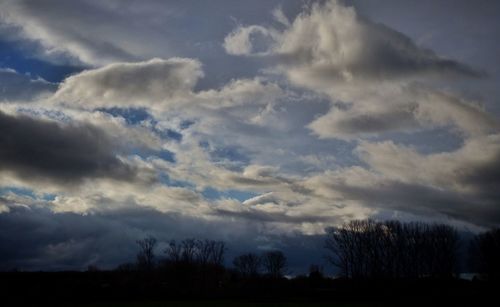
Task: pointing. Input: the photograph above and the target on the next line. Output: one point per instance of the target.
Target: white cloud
(460, 184)
(459, 170)
(154, 83)
(240, 92)
(160, 85)
(407, 109)
(250, 40)
(374, 71)
(280, 16)
(91, 32)
(331, 43)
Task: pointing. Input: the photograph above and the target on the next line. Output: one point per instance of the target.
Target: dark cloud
(346, 124)
(461, 184)
(425, 200)
(391, 54)
(485, 179)
(273, 217)
(37, 238)
(33, 148)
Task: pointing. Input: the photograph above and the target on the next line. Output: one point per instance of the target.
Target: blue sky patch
(213, 194)
(12, 56)
(132, 116)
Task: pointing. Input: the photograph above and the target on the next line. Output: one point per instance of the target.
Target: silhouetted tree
(485, 253)
(442, 246)
(275, 263)
(201, 252)
(315, 271)
(173, 252)
(391, 249)
(146, 256)
(188, 254)
(351, 248)
(217, 251)
(247, 264)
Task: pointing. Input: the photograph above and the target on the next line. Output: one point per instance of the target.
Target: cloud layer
(262, 128)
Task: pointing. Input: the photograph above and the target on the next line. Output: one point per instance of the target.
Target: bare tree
(217, 250)
(191, 251)
(247, 264)
(352, 247)
(146, 256)
(173, 252)
(442, 246)
(338, 243)
(391, 249)
(210, 252)
(203, 251)
(275, 263)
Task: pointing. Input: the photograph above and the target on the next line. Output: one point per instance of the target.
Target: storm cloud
(33, 239)
(65, 153)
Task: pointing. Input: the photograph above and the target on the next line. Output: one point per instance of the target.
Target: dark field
(261, 303)
(220, 304)
(103, 289)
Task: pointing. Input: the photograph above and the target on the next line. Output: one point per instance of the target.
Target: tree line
(366, 249)
(202, 254)
(359, 249)
(391, 249)
(385, 261)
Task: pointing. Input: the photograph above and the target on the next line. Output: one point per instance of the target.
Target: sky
(259, 123)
